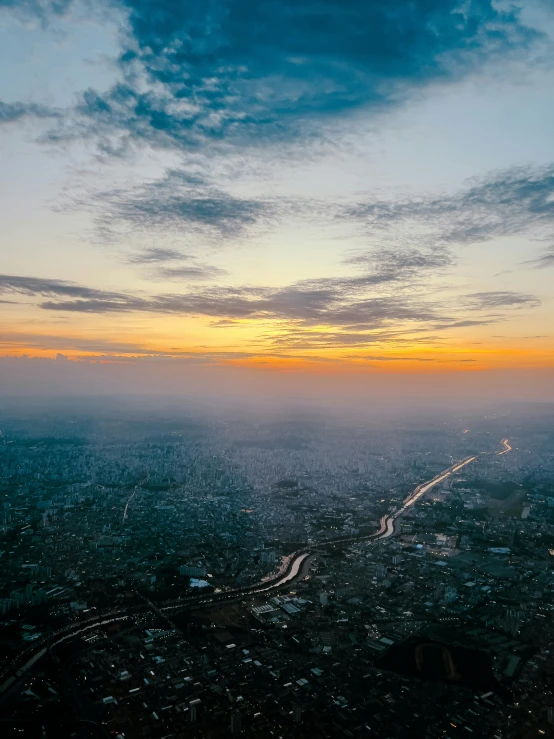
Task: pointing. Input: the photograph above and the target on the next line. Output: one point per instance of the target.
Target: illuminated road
(15, 673)
(420, 491)
(507, 447)
(127, 503)
(386, 526)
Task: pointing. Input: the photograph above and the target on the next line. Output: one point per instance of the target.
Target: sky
(358, 194)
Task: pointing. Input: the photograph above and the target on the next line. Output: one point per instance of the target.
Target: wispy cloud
(417, 236)
(381, 358)
(544, 260)
(31, 286)
(18, 111)
(466, 323)
(325, 312)
(320, 302)
(515, 201)
(200, 273)
(27, 340)
(402, 264)
(22, 341)
(501, 299)
(298, 336)
(176, 203)
(183, 267)
(44, 10)
(157, 255)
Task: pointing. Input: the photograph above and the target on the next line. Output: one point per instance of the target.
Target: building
(267, 557)
(193, 570)
(236, 722)
(193, 708)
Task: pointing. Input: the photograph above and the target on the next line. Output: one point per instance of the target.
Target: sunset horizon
(183, 187)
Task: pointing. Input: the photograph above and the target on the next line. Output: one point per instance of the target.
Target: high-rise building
(324, 599)
(510, 621)
(193, 708)
(16, 598)
(39, 597)
(236, 722)
(267, 557)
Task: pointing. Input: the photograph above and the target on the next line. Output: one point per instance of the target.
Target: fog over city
(209, 382)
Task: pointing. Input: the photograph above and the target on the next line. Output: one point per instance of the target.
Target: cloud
(544, 260)
(41, 9)
(156, 255)
(511, 202)
(193, 272)
(345, 336)
(501, 299)
(242, 73)
(402, 264)
(112, 348)
(27, 340)
(325, 312)
(178, 203)
(467, 323)
(423, 231)
(318, 302)
(188, 270)
(417, 235)
(16, 112)
(380, 358)
(40, 286)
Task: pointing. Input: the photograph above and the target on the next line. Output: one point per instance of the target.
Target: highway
(127, 504)
(14, 674)
(507, 447)
(386, 526)
(420, 491)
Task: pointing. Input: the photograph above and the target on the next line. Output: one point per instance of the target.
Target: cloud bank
(312, 313)
(244, 73)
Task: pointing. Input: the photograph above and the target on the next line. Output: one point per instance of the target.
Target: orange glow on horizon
(418, 360)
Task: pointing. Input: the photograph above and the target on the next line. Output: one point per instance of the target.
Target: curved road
(15, 673)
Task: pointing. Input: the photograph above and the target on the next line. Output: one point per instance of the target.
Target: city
(276, 369)
(240, 592)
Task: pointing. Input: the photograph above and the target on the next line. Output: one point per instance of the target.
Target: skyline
(337, 190)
